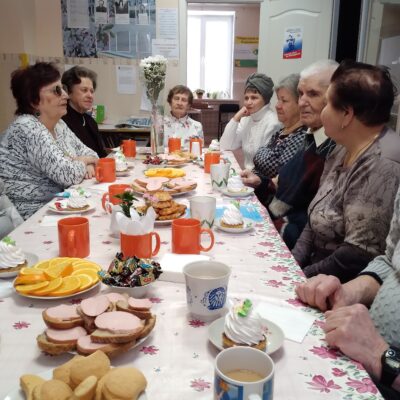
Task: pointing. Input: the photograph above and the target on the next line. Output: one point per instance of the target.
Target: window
(210, 51)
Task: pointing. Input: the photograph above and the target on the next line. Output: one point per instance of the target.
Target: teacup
(212, 157)
(203, 209)
(105, 170)
(129, 147)
(140, 245)
(186, 236)
(219, 174)
(206, 288)
(109, 197)
(73, 237)
(245, 373)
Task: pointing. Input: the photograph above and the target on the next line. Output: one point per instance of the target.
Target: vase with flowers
(152, 72)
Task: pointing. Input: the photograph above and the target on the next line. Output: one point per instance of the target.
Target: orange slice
(70, 285)
(86, 281)
(53, 285)
(42, 265)
(87, 271)
(30, 279)
(85, 264)
(30, 288)
(58, 267)
(30, 271)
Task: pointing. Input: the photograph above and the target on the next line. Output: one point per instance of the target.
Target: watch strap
(390, 357)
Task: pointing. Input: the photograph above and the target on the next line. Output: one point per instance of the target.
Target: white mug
(206, 288)
(241, 362)
(203, 208)
(219, 174)
(196, 149)
(115, 232)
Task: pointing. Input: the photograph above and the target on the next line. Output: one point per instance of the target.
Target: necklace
(349, 159)
(83, 120)
(291, 129)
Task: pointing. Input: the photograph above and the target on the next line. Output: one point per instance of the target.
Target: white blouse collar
(183, 119)
(259, 115)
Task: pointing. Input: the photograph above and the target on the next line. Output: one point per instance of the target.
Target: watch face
(393, 363)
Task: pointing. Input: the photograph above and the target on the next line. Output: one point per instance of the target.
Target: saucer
(275, 336)
(247, 226)
(249, 191)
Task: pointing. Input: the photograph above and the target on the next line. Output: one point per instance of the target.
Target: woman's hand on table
(90, 171)
(352, 330)
(243, 112)
(250, 178)
(324, 292)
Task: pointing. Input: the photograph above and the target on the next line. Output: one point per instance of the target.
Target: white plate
(168, 221)
(247, 226)
(122, 173)
(167, 191)
(18, 394)
(31, 259)
(31, 296)
(248, 192)
(51, 207)
(275, 336)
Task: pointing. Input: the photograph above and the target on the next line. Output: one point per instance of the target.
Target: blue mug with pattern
(243, 373)
(206, 288)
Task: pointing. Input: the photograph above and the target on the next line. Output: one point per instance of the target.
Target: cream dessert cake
(11, 257)
(232, 218)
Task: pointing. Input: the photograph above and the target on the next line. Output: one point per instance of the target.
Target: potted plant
(199, 93)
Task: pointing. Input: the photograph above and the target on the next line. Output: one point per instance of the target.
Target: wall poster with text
(293, 43)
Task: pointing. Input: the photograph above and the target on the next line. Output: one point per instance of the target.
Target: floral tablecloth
(177, 358)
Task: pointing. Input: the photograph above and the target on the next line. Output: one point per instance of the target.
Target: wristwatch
(390, 365)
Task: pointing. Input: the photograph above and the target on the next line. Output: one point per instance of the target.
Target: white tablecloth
(177, 358)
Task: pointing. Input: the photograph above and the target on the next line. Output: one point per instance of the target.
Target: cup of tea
(186, 236)
(73, 237)
(211, 157)
(129, 147)
(203, 209)
(140, 246)
(105, 170)
(206, 288)
(109, 197)
(244, 373)
(174, 144)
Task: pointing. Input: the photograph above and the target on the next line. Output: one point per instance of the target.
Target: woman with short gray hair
(253, 125)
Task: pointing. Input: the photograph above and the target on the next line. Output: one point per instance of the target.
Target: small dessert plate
(18, 394)
(31, 260)
(122, 173)
(52, 207)
(246, 192)
(248, 225)
(275, 336)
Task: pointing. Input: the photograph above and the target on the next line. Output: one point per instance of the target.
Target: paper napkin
(51, 220)
(294, 323)
(172, 265)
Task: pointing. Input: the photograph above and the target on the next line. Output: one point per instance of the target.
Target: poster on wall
(293, 43)
(121, 28)
(246, 51)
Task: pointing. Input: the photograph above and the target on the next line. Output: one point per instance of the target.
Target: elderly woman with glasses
(39, 154)
(254, 124)
(80, 84)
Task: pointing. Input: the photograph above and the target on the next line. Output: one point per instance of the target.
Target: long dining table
(177, 358)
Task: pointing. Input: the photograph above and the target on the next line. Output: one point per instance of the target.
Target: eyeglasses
(58, 90)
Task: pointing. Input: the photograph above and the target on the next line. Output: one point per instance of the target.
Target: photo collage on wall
(123, 28)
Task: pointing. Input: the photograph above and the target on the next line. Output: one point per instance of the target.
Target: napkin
(52, 220)
(136, 224)
(6, 288)
(100, 187)
(295, 324)
(172, 265)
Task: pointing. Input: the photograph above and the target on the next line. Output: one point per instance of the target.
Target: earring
(36, 114)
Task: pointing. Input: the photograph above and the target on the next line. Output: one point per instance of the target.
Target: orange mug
(129, 147)
(194, 140)
(109, 197)
(140, 245)
(73, 237)
(186, 236)
(174, 144)
(105, 170)
(212, 157)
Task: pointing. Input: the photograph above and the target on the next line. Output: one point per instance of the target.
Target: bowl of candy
(130, 275)
(154, 161)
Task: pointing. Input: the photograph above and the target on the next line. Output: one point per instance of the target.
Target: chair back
(224, 117)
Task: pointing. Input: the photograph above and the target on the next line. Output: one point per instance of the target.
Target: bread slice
(58, 323)
(148, 327)
(54, 348)
(111, 349)
(105, 336)
(88, 322)
(142, 314)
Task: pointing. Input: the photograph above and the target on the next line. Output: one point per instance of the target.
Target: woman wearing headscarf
(253, 125)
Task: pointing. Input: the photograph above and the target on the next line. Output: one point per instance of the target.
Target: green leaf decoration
(245, 308)
(8, 240)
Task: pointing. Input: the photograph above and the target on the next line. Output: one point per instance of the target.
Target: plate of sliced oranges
(57, 278)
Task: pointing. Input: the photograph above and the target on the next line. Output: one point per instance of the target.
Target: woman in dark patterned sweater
(283, 144)
(39, 154)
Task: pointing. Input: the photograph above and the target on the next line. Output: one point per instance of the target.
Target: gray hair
(323, 68)
(289, 83)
